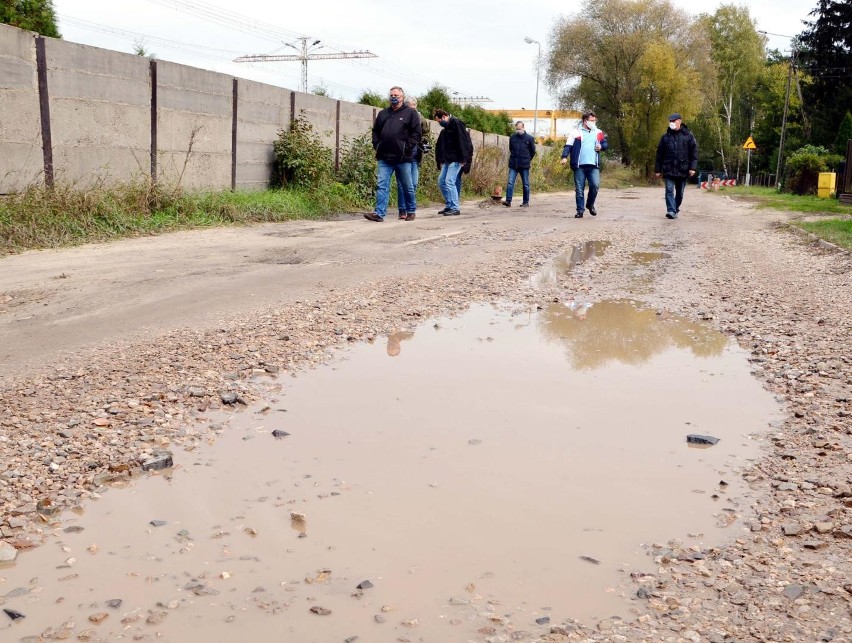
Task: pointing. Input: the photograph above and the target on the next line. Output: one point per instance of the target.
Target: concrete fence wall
(84, 116)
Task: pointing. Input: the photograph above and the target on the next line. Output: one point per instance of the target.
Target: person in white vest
(583, 147)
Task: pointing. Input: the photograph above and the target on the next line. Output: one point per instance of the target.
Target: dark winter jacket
(396, 134)
(677, 153)
(521, 151)
(454, 144)
(424, 138)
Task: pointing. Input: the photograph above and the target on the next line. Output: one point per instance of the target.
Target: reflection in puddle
(648, 257)
(471, 478)
(595, 334)
(564, 263)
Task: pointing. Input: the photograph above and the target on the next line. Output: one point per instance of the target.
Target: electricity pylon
(304, 55)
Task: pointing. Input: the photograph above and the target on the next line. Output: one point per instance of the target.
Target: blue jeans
(675, 186)
(525, 180)
(403, 178)
(448, 182)
(401, 203)
(582, 174)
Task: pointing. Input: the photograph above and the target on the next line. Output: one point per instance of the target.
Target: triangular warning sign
(749, 144)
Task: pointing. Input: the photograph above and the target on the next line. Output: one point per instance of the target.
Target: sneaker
(410, 216)
(508, 204)
(452, 213)
(372, 216)
(592, 211)
(444, 211)
(670, 215)
(579, 215)
(524, 205)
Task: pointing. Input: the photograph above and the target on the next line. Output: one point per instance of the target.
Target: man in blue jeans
(521, 153)
(396, 137)
(417, 158)
(677, 159)
(453, 152)
(583, 147)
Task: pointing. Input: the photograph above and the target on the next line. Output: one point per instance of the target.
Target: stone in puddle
(694, 438)
(7, 552)
(13, 614)
(542, 620)
(114, 603)
(157, 523)
(278, 433)
(322, 611)
(364, 584)
(589, 559)
(158, 462)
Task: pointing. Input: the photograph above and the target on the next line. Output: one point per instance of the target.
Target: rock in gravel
(7, 552)
(791, 528)
(794, 591)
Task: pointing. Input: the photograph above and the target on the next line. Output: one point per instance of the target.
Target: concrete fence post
(44, 109)
(235, 100)
(152, 66)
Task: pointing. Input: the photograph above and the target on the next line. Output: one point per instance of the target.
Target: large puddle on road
(482, 473)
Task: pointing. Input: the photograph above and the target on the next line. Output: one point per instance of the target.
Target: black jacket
(454, 144)
(521, 151)
(677, 153)
(396, 134)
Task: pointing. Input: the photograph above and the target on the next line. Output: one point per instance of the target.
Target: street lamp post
(530, 41)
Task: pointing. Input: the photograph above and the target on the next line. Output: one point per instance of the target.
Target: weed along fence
(83, 115)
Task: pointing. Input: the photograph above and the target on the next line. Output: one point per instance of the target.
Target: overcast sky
(473, 47)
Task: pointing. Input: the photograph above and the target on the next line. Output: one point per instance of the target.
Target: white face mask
(590, 124)
(672, 125)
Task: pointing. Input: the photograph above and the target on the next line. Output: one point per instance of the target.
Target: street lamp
(530, 41)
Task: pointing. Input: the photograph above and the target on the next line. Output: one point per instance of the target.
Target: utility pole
(305, 54)
(786, 102)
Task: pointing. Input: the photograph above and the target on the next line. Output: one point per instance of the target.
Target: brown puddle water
(564, 263)
(463, 467)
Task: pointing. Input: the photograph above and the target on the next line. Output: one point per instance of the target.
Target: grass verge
(836, 231)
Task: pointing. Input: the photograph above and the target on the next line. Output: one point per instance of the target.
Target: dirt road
(108, 351)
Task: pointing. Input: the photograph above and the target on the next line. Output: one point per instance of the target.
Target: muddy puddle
(473, 475)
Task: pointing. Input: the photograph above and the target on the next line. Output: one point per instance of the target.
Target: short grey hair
(401, 90)
(411, 101)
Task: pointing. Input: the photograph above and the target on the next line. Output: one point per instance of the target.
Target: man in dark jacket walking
(521, 153)
(677, 159)
(396, 137)
(453, 152)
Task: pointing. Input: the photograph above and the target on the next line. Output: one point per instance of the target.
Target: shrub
(301, 159)
(358, 167)
(803, 168)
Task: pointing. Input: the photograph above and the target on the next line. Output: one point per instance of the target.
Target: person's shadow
(394, 340)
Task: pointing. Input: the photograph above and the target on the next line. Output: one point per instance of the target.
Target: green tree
(825, 53)
(437, 97)
(598, 59)
(737, 51)
(376, 99)
(844, 135)
(33, 15)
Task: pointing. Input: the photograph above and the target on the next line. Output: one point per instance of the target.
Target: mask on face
(519, 131)
(443, 123)
(672, 125)
(395, 100)
(590, 125)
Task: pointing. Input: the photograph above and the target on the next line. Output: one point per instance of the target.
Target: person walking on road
(453, 152)
(583, 147)
(521, 153)
(396, 137)
(677, 159)
(417, 157)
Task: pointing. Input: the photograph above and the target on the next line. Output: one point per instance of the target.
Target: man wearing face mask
(677, 159)
(583, 147)
(396, 137)
(521, 153)
(453, 152)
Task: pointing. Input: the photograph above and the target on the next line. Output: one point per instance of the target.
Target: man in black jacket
(453, 152)
(521, 153)
(677, 159)
(396, 137)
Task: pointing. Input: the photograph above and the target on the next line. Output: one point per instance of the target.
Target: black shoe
(579, 215)
(508, 204)
(372, 216)
(670, 215)
(410, 216)
(524, 205)
(592, 211)
(452, 213)
(444, 211)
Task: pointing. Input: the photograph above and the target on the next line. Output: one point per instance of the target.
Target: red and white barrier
(716, 183)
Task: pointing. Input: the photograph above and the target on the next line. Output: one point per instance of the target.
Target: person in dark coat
(677, 160)
(521, 153)
(416, 159)
(396, 137)
(453, 152)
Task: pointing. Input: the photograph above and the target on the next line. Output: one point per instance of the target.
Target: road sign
(749, 144)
